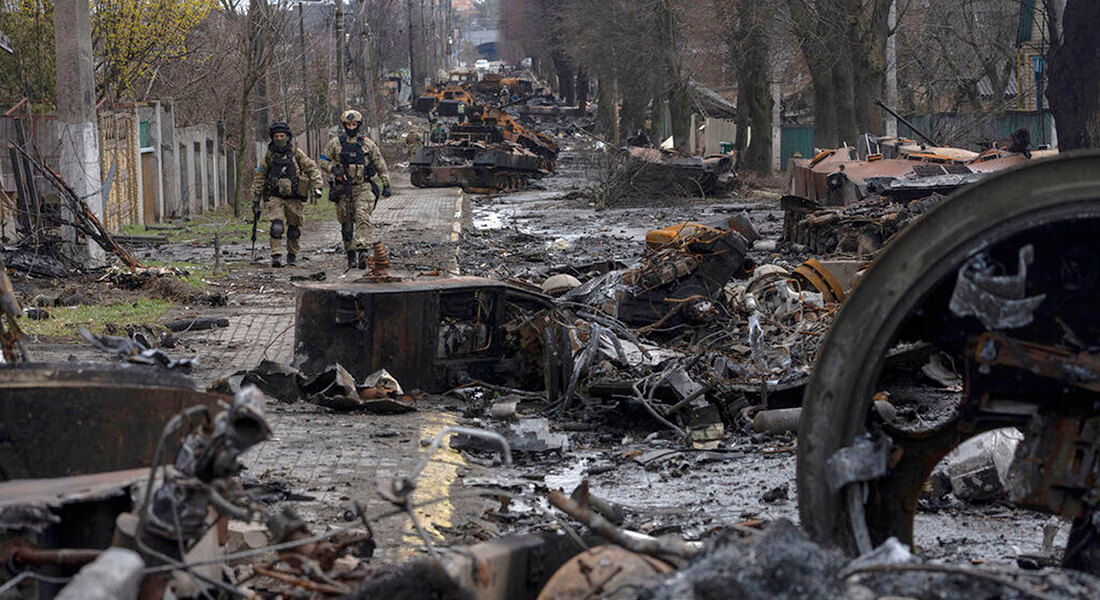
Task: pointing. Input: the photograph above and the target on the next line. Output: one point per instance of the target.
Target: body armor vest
(282, 175)
(354, 159)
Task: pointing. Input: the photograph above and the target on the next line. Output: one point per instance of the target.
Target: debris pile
(781, 562)
(860, 229)
(333, 388)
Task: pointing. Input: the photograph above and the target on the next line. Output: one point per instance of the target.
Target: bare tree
(844, 44)
(257, 31)
(957, 54)
(748, 35)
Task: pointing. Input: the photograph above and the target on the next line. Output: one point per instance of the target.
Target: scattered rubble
(684, 357)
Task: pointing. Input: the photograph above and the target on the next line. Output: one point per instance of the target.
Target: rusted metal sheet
(428, 334)
(58, 420)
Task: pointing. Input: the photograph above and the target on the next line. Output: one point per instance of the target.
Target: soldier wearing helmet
(286, 177)
(354, 160)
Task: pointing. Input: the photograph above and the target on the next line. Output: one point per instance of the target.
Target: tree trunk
(754, 96)
(847, 65)
(565, 73)
(679, 91)
(260, 118)
(605, 111)
(582, 87)
(632, 115)
(242, 141)
(679, 110)
(1074, 77)
(754, 102)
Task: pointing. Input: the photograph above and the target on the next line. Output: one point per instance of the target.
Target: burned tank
(488, 154)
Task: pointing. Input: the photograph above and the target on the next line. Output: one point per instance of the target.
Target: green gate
(795, 141)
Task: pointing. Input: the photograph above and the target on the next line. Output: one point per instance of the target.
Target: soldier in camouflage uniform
(353, 160)
(286, 177)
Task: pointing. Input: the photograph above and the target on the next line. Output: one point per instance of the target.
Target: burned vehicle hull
(689, 175)
(1000, 279)
(431, 335)
(488, 155)
(822, 187)
(497, 168)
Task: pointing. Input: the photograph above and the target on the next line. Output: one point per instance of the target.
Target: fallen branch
(91, 225)
(196, 324)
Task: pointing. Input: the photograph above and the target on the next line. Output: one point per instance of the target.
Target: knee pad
(347, 231)
(293, 232)
(277, 228)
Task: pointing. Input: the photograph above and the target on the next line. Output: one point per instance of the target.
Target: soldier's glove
(386, 191)
(339, 174)
(317, 192)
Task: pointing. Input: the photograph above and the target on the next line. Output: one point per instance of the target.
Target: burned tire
(908, 279)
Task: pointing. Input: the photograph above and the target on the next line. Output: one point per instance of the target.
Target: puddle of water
(570, 477)
(489, 220)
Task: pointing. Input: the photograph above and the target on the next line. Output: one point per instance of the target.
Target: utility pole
(305, 81)
(412, 52)
(341, 84)
(368, 82)
(449, 32)
(76, 116)
(891, 124)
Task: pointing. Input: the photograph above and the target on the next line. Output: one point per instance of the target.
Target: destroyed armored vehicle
(836, 182)
(428, 100)
(492, 153)
(682, 175)
(475, 158)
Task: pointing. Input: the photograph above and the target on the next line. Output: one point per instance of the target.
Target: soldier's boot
(276, 260)
(364, 256)
(293, 233)
(352, 260)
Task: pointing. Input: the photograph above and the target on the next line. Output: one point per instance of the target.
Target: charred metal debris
(971, 332)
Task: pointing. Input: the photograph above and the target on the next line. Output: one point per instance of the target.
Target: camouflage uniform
(354, 212)
(284, 180)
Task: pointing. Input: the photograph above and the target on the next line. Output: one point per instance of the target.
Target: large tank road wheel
(1002, 281)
